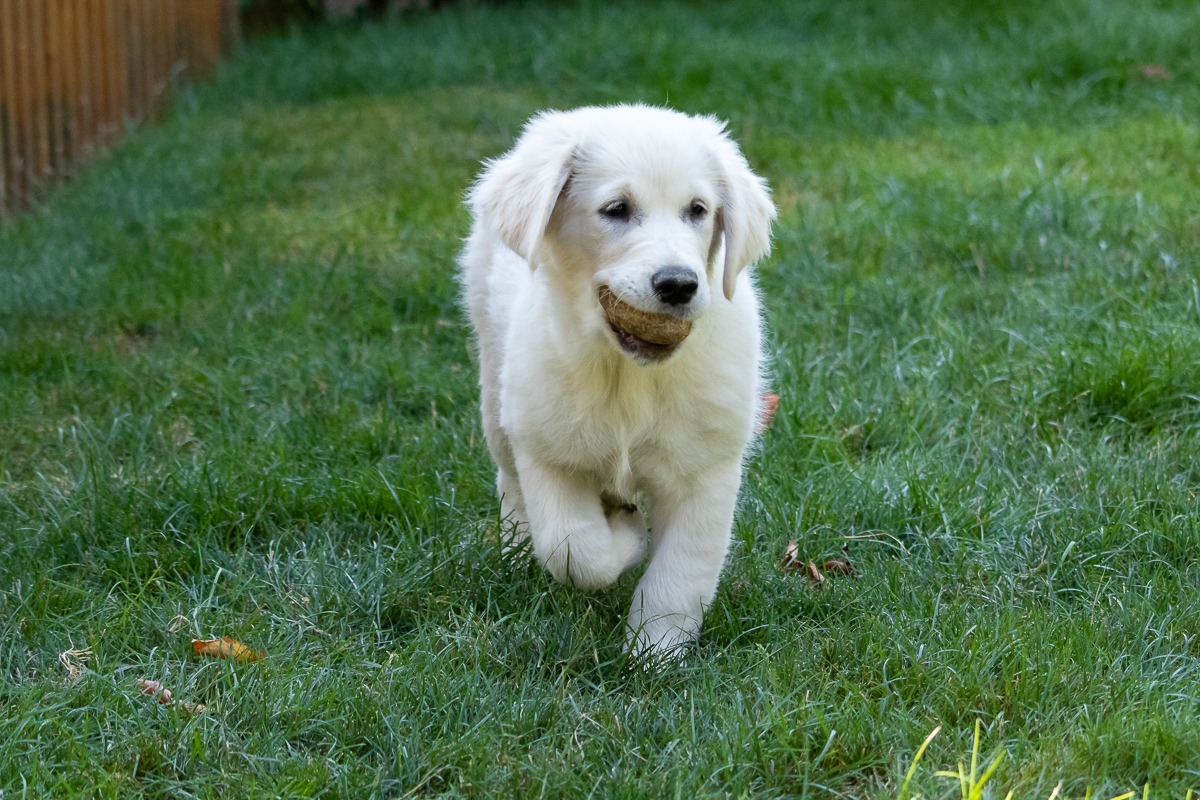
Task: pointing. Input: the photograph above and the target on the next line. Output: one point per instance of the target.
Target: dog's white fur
(580, 427)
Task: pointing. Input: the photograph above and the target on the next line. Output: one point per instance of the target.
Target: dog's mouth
(640, 348)
(646, 336)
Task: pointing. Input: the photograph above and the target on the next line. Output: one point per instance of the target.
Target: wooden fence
(74, 72)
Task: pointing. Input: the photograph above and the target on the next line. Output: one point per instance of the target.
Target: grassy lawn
(236, 399)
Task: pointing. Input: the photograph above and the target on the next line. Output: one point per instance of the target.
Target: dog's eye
(697, 210)
(617, 209)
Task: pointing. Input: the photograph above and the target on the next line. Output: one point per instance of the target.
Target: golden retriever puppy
(620, 348)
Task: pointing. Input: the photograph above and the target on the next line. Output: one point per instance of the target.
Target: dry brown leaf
(791, 557)
(192, 708)
(838, 566)
(793, 562)
(155, 690)
(226, 648)
(770, 404)
(813, 574)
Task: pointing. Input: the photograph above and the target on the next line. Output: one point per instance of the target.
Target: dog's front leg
(691, 524)
(568, 529)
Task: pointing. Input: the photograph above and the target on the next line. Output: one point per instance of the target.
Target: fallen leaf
(791, 557)
(1156, 71)
(770, 404)
(192, 708)
(814, 575)
(226, 648)
(155, 689)
(838, 566)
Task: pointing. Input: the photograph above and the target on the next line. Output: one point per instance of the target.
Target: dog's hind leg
(514, 521)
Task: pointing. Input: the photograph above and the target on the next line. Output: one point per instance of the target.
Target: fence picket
(72, 88)
(12, 94)
(95, 36)
(40, 157)
(4, 187)
(8, 119)
(146, 61)
(26, 90)
(54, 71)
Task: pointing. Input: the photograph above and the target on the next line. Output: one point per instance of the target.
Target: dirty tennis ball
(662, 329)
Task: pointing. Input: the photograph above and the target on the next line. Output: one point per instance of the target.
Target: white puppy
(584, 418)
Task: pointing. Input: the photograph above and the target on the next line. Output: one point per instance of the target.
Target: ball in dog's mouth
(643, 334)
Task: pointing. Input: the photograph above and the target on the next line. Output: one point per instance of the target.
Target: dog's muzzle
(643, 334)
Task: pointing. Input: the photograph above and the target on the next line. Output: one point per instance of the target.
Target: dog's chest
(628, 427)
(622, 441)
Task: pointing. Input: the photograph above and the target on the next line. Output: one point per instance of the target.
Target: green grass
(235, 386)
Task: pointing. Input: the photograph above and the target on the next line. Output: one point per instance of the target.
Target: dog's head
(645, 216)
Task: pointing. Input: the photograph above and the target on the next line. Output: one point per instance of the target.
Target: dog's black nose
(674, 285)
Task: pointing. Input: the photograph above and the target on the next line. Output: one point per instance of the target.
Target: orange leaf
(226, 648)
(838, 567)
(155, 689)
(770, 403)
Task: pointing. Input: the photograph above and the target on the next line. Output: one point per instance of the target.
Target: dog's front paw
(589, 558)
(660, 639)
(663, 620)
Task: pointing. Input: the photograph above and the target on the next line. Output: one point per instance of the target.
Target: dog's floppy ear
(745, 213)
(517, 192)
